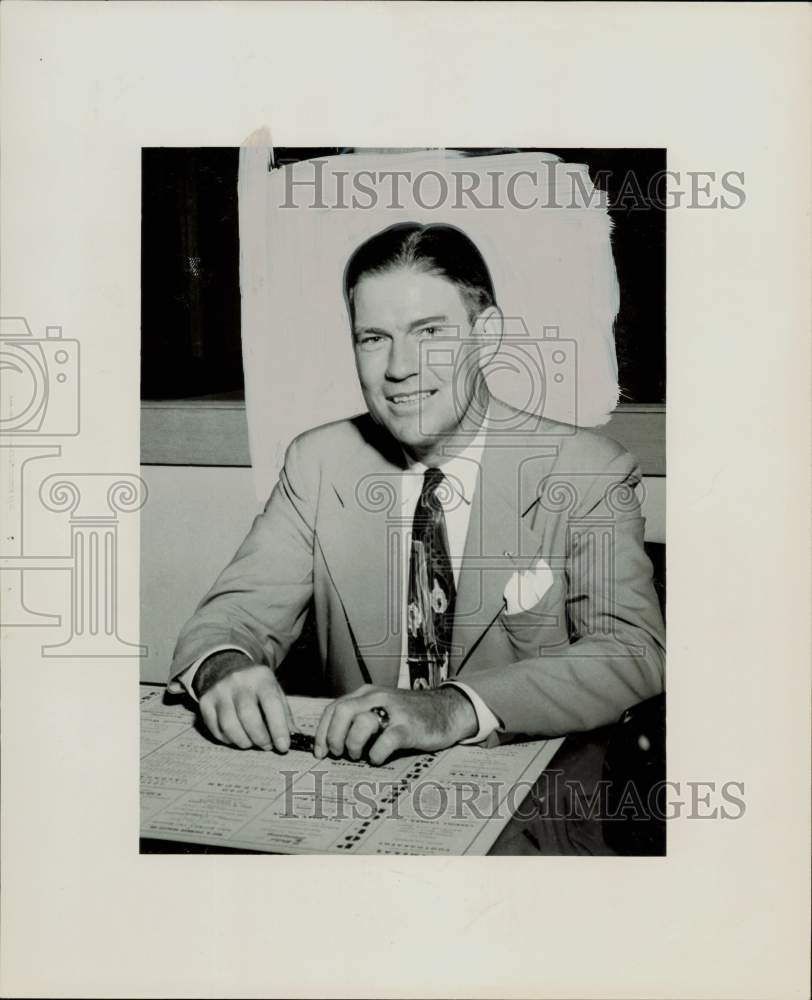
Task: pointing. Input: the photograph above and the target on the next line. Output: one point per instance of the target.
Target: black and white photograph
(443, 625)
(404, 434)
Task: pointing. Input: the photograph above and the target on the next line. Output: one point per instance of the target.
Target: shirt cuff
(183, 682)
(486, 720)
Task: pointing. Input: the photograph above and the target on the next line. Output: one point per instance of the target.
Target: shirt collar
(460, 470)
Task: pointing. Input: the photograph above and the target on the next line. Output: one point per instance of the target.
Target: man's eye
(370, 341)
(429, 331)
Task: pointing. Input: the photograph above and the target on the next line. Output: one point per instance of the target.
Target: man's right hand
(242, 703)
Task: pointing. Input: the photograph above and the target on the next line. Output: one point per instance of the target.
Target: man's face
(396, 312)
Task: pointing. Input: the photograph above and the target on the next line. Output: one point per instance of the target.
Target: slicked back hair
(440, 250)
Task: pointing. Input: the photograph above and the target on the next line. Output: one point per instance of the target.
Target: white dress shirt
(461, 473)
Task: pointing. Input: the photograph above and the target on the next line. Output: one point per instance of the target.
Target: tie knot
(432, 478)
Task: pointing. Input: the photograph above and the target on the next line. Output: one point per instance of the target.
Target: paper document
(198, 791)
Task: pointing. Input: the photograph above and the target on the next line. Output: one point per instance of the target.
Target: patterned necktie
(430, 610)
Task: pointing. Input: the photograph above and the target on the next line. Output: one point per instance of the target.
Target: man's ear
(487, 329)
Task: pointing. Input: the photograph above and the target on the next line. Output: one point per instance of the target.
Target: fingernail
(284, 744)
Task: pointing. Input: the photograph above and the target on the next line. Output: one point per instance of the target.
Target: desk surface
(198, 796)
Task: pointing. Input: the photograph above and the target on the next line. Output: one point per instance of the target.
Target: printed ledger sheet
(197, 791)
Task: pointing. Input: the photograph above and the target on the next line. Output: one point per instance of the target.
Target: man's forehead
(400, 297)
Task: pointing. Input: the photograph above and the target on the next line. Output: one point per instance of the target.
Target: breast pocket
(541, 628)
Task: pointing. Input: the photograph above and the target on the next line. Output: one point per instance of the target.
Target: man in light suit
(475, 571)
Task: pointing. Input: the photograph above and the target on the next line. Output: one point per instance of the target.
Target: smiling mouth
(410, 398)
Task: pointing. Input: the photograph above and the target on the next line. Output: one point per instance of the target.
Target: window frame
(215, 433)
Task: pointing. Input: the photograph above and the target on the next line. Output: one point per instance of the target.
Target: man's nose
(404, 361)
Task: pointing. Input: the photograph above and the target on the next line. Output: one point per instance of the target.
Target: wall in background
(191, 526)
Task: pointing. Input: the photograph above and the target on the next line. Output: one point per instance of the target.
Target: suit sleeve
(259, 602)
(615, 656)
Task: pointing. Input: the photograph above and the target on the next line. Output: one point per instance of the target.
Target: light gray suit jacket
(328, 537)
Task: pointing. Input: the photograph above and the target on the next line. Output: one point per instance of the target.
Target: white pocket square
(527, 587)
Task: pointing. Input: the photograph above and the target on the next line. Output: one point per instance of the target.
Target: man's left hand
(418, 720)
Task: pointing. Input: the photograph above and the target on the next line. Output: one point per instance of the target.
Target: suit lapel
(358, 531)
(499, 539)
